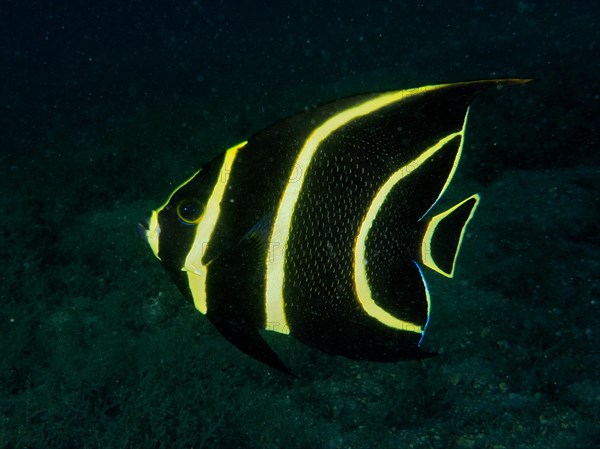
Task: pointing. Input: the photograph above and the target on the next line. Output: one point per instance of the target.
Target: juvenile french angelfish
(320, 225)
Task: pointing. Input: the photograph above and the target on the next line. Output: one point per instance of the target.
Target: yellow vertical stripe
(428, 261)
(275, 262)
(196, 270)
(361, 282)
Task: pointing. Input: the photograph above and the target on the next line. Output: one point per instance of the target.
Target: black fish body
(319, 225)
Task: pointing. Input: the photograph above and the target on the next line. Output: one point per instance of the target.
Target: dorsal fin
(444, 235)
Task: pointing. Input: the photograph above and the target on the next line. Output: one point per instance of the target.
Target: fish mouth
(142, 228)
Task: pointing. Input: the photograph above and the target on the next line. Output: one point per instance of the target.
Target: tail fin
(444, 235)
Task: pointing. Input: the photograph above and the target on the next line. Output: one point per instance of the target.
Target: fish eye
(189, 211)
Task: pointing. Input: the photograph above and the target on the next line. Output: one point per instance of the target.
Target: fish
(322, 225)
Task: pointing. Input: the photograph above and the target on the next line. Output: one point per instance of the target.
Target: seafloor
(99, 350)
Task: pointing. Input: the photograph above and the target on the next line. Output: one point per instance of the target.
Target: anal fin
(444, 235)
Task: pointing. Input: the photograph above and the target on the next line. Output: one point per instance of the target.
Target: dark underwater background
(108, 106)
